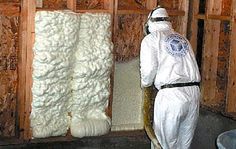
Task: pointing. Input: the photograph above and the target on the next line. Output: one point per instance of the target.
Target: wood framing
(194, 25)
(231, 98)
(184, 6)
(210, 54)
(71, 4)
(9, 48)
(25, 67)
(218, 55)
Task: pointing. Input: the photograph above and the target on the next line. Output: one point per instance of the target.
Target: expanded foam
(71, 74)
(91, 86)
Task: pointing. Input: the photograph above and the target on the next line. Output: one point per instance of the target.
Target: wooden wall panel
(132, 4)
(128, 36)
(90, 4)
(231, 98)
(210, 56)
(209, 63)
(222, 64)
(170, 4)
(9, 1)
(177, 23)
(54, 4)
(8, 73)
(193, 29)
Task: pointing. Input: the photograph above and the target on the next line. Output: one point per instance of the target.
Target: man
(167, 60)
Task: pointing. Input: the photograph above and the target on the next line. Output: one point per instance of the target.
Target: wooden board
(222, 64)
(171, 4)
(90, 4)
(25, 67)
(132, 4)
(210, 57)
(128, 36)
(9, 1)
(193, 30)
(54, 4)
(231, 102)
(8, 74)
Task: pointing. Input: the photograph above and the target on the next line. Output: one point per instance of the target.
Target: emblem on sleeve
(176, 45)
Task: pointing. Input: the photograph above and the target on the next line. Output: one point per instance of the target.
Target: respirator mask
(157, 14)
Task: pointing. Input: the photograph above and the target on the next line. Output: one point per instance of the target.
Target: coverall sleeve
(148, 62)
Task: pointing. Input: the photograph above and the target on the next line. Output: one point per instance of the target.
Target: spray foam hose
(148, 91)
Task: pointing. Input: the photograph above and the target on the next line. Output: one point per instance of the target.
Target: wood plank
(25, 82)
(147, 11)
(89, 4)
(132, 4)
(22, 69)
(55, 4)
(109, 5)
(214, 17)
(10, 9)
(94, 11)
(184, 6)
(194, 25)
(230, 99)
(71, 4)
(210, 56)
(151, 4)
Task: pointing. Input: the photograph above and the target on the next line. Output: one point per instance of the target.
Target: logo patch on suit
(176, 45)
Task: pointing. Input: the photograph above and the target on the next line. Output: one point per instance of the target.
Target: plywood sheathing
(170, 4)
(90, 4)
(9, 9)
(9, 1)
(130, 18)
(131, 4)
(55, 4)
(129, 33)
(8, 73)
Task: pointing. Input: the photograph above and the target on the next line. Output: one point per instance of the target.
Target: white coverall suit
(166, 57)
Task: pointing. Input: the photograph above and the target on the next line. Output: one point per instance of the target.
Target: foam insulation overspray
(71, 74)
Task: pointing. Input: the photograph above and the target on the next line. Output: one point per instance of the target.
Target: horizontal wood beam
(139, 11)
(213, 17)
(10, 9)
(95, 11)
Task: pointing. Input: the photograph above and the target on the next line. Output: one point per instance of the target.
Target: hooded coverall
(166, 57)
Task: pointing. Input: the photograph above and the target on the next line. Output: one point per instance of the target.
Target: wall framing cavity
(217, 53)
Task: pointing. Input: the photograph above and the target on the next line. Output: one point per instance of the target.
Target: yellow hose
(148, 92)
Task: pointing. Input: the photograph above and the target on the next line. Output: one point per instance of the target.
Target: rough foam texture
(92, 77)
(127, 96)
(71, 68)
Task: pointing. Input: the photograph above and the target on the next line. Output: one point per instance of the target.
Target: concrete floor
(210, 125)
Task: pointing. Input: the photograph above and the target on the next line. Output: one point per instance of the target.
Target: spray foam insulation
(127, 100)
(71, 74)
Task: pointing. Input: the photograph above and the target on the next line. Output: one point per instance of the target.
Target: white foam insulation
(127, 97)
(71, 74)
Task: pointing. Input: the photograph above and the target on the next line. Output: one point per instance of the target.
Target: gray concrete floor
(210, 125)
